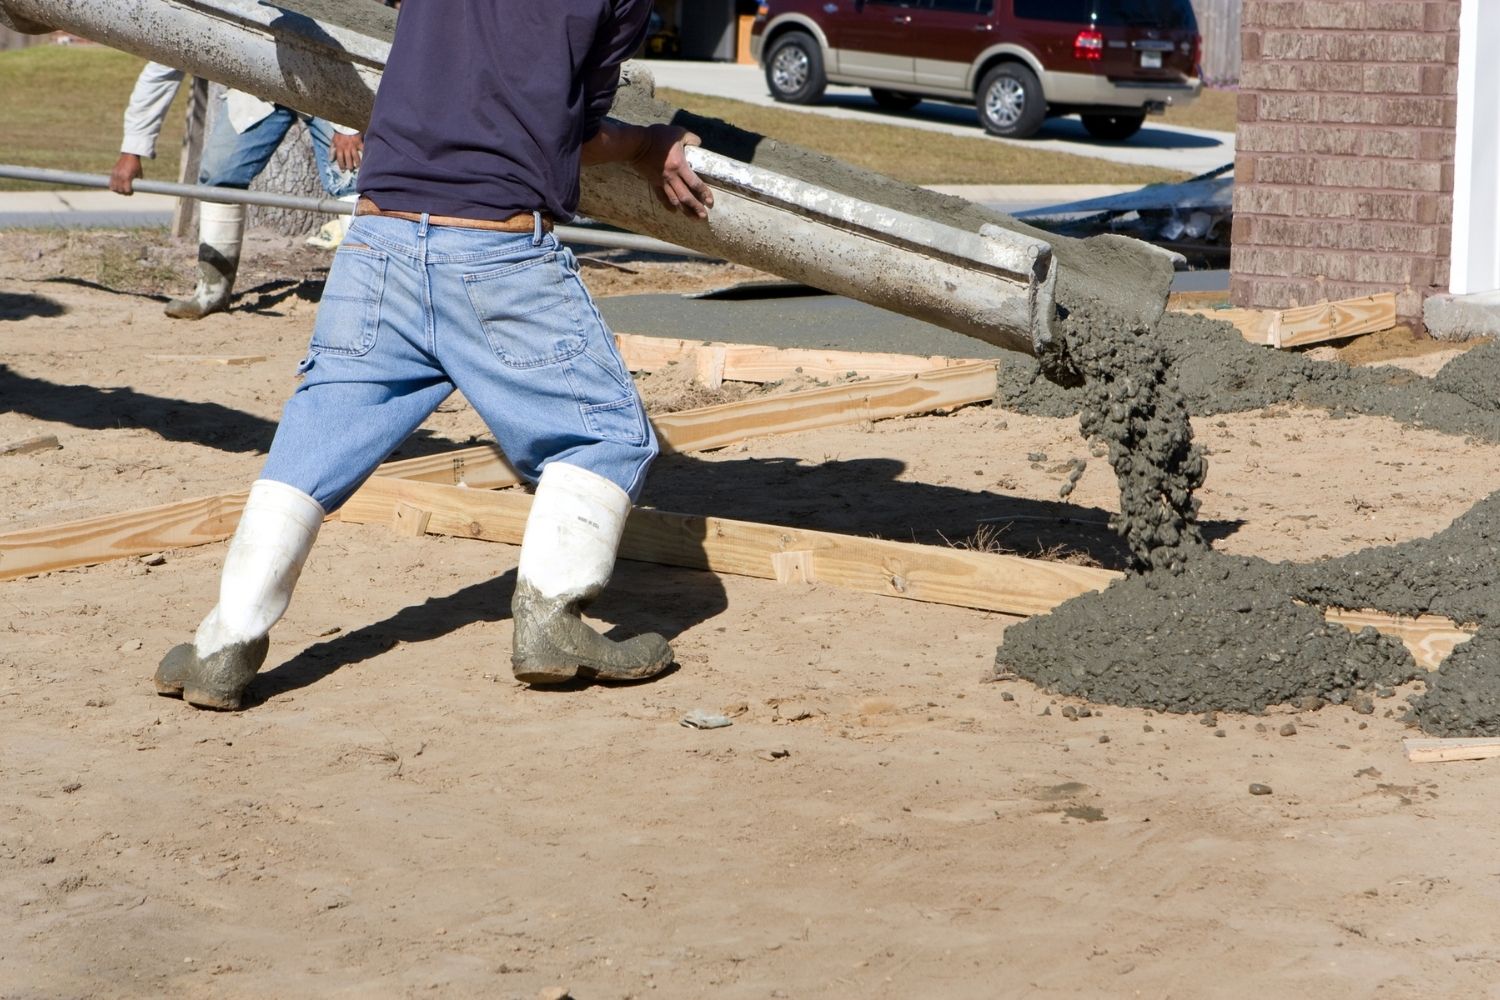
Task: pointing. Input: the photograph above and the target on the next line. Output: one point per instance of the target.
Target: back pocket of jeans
(349, 313)
(527, 312)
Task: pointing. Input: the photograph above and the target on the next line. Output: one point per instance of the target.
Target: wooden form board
(484, 467)
(716, 362)
(1425, 751)
(929, 573)
(211, 519)
(938, 575)
(1310, 324)
(116, 536)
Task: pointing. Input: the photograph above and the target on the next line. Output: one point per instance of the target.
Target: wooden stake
(410, 521)
(1423, 751)
(195, 128)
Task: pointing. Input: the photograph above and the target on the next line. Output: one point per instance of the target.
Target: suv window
(961, 6)
(1155, 13)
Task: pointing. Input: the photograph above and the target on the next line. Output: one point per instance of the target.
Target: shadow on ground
(22, 305)
(639, 599)
(213, 425)
(866, 497)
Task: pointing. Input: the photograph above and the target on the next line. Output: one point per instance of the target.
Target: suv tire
(1113, 127)
(894, 100)
(794, 69)
(1010, 101)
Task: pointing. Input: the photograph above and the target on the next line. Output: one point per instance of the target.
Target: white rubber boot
(567, 555)
(221, 230)
(275, 534)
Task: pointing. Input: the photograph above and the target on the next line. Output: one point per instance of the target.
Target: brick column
(1344, 165)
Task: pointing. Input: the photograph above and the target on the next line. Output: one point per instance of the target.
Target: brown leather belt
(522, 222)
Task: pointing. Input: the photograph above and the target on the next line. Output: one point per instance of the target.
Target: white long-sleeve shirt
(154, 90)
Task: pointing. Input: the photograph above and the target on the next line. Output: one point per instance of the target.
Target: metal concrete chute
(325, 58)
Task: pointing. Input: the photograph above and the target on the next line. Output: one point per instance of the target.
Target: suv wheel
(894, 100)
(794, 69)
(1010, 102)
(1113, 127)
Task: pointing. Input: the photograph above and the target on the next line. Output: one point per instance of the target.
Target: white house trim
(1475, 262)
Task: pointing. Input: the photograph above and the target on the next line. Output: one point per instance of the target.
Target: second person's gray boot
(567, 555)
(221, 230)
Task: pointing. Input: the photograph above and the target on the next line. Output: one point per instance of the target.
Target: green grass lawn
(918, 156)
(1213, 110)
(62, 107)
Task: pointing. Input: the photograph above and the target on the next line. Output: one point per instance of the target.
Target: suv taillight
(1197, 55)
(1089, 44)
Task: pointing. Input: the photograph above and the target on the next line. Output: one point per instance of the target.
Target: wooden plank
(1430, 638)
(988, 581)
(484, 467)
(115, 536)
(212, 359)
(1314, 324)
(27, 446)
(1431, 751)
(756, 363)
(877, 399)
(1336, 320)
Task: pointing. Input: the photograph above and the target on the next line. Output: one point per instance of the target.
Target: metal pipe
(203, 192)
(580, 235)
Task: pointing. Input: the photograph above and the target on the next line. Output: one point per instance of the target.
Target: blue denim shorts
(412, 311)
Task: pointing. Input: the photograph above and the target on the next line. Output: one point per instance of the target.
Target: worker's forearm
(615, 142)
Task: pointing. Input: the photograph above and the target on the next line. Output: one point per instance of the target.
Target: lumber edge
(1302, 326)
(1436, 751)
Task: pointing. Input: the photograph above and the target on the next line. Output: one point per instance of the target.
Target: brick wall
(1344, 165)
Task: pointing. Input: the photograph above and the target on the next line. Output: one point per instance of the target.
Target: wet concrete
(1226, 633)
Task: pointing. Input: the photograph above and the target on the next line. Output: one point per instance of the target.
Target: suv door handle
(901, 19)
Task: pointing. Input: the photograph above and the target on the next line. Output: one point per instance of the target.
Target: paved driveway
(1192, 150)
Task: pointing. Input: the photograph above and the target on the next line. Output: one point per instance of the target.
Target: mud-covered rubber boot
(221, 229)
(567, 555)
(275, 534)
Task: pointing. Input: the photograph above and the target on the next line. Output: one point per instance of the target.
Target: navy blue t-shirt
(485, 103)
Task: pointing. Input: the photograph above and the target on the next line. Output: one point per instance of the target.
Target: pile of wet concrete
(1189, 629)
(1233, 633)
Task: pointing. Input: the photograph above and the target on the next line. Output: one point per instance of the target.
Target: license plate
(1150, 60)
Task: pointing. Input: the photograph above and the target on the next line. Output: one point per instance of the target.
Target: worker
(242, 137)
(450, 276)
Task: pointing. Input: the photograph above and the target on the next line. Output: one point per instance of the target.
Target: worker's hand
(348, 150)
(126, 172)
(662, 162)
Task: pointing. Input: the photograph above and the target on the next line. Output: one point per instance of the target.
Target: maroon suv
(1018, 61)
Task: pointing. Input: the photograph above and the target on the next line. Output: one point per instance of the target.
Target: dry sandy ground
(395, 817)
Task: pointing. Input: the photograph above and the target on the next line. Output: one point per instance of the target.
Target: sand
(394, 816)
